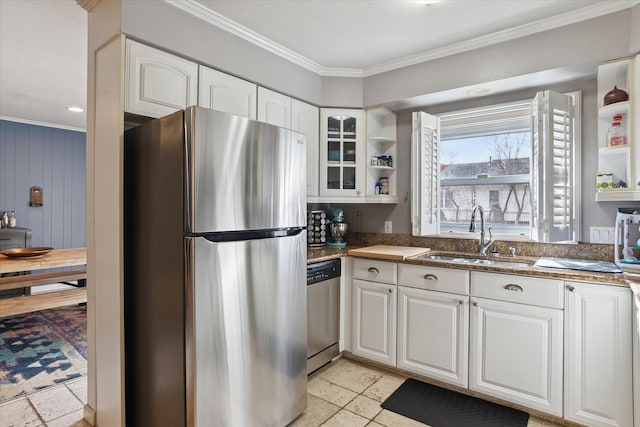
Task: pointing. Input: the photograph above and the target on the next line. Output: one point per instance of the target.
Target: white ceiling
(43, 42)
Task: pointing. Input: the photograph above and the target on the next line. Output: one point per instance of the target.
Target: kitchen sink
(476, 261)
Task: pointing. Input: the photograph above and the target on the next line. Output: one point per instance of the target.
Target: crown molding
(568, 18)
(226, 24)
(88, 5)
(36, 123)
(589, 12)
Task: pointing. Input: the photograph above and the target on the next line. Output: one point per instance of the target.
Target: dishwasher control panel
(321, 271)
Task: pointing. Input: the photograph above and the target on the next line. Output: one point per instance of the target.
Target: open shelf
(381, 141)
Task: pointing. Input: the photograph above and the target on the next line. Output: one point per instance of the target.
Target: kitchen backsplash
(592, 251)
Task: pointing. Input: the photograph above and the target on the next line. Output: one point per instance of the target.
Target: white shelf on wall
(621, 160)
(381, 141)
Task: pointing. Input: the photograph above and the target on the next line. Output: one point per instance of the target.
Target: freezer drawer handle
(515, 288)
(430, 277)
(373, 270)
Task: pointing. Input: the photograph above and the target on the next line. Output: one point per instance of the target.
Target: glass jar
(616, 135)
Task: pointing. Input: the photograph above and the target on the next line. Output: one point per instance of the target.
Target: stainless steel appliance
(215, 260)
(627, 239)
(337, 227)
(323, 313)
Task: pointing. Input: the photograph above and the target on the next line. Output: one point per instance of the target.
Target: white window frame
(425, 215)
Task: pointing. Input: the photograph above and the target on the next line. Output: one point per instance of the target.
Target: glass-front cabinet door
(341, 153)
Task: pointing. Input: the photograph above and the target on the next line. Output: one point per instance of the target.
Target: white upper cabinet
(158, 83)
(305, 119)
(342, 155)
(274, 108)
(223, 92)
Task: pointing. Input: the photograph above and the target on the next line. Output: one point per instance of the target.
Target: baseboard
(89, 415)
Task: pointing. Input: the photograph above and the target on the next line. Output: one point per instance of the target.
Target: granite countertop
(326, 253)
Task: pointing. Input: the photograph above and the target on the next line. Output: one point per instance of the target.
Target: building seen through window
(493, 171)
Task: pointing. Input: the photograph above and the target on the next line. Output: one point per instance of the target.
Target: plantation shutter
(552, 174)
(425, 171)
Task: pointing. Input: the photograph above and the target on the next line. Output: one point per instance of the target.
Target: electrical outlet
(388, 226)
(601, 234)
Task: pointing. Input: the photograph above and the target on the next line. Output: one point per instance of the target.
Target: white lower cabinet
(516, 339)
(374, 325)
(433, 334)
(598, 360)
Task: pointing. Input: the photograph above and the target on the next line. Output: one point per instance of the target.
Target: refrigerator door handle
(235, 236)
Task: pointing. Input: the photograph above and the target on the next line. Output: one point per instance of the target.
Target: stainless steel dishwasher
(323, 313)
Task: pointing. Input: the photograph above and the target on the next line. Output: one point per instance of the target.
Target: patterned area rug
(41, 349)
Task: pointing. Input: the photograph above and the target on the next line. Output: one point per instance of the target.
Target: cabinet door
(516, 353)
(220, 91)
(374, 326)
(433, 334)
(598, 360)
(274, 108)
(305, 119)
(342, 153)
(158, 83)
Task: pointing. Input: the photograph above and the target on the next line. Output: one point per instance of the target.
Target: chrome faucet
(483, 245)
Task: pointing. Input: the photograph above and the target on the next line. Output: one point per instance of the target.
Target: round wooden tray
(26, 252)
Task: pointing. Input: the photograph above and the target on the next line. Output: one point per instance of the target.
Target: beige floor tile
(391, 419)
(364, 406)
(54, 402)
(18, 413)
(351, 375)
(74, 419)
(346, 418)
(381, 389)
(330, 392)
(318, 411)
(79, 388)
(374, 424)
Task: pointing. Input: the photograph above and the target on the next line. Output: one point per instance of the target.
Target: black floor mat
(439, 407)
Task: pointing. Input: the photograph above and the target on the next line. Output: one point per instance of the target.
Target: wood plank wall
(54, 159)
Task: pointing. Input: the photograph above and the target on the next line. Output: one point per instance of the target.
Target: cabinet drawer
(434, 278)
(519, 289)
(375, 271)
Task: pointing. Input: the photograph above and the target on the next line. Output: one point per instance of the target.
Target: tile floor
(57, 406)
(347, 393)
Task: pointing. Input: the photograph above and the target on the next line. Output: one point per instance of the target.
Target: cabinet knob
(461, 302)
(430, 277)
(373, 270)
(390, 290)
(514, 287)
(571, 288)
(358, 192)
(475, 304)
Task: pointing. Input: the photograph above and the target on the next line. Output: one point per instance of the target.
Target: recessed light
(427, 2)
(76, 109)
(479, 91)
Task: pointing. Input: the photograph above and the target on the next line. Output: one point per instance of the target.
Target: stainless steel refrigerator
(215, 272)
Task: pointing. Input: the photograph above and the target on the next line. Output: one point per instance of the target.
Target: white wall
(584, 43)
(593, 213)
(634, 36)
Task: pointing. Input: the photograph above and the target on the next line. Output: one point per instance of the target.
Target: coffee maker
(337, 228)
(627, 239)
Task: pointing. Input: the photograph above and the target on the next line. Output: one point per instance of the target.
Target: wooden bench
(28, 303)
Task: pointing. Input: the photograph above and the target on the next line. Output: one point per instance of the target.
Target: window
(498, 157)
